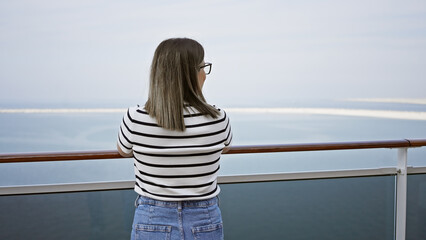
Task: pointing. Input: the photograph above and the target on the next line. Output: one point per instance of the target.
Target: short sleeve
(228, 131)
(125, 134)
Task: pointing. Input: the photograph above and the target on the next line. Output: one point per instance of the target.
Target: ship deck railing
(400, 170)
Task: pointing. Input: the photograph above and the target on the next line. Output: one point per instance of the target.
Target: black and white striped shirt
(173, 165)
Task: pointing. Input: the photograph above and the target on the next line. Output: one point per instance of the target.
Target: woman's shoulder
(222, 112)
(137, 111)
(189, 109)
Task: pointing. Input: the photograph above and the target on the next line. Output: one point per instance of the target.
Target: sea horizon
(95, 128)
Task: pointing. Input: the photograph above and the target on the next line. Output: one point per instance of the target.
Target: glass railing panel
(416, 207)
(343, 208)
(80, 215)
(340, 208)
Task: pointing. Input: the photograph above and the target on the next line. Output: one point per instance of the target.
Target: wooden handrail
(111, 154)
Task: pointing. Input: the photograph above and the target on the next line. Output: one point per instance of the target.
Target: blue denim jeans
(167, 220)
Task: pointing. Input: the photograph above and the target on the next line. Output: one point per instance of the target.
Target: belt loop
(179, 206)
(136, 201)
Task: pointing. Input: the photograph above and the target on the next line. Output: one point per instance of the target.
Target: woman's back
(176, 141)
(175, 165)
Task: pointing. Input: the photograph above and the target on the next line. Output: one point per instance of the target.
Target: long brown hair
(174, 81)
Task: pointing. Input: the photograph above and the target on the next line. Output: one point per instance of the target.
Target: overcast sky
(263, 52)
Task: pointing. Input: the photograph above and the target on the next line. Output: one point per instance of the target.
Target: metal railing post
(401, 195)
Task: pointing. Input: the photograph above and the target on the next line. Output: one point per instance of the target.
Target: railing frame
(401, 169)
(401, 195)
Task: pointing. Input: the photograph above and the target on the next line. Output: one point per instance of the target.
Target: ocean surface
(50, 128)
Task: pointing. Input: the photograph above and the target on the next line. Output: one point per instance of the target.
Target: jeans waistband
(142, 200)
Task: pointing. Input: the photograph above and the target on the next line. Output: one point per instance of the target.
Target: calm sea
(48, 129)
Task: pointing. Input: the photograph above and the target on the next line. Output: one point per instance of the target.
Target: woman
(176, 140)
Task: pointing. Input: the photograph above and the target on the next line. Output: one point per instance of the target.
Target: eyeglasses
(207, 68)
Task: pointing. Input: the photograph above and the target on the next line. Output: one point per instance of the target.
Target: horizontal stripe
(178, 147)
(125, 137)
(229, 143)
(178, 176)
(229, 137)
(140, 122)
(185, 115)
(141, 111)
(207, 123)
(178, 155)
(176, 165)
(187, 126)
(175, 137)
(122, 144)
(174, 187)
(177, 196)
(193, 115)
